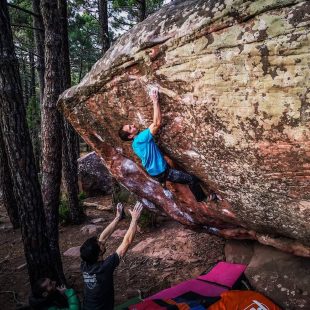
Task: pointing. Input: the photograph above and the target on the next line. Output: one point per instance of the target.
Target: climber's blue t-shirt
(146, 149)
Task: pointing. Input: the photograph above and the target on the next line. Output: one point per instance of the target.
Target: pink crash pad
(196, 286)
(224, 274)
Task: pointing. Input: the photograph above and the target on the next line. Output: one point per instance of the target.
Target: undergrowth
(64, 212)
(147, 219)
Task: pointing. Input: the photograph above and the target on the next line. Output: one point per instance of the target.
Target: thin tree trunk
(81, 67)
(35, 111)
(32, 86)
(39, 41)
(70, 146)
(25, 80)
(141, 9)
(6, 187)
(104, 25)
(39, 37)
(70, 172)
(20, 157)
(52, 128)
(35, 135)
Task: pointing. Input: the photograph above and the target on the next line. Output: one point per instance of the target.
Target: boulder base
(283, 277)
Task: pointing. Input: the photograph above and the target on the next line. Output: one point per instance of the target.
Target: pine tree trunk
(35, 125)
(39, 38)
(20, 157)
(141, 10)
(32, 86)
(25, 82)
(6, 187)
(70, 146)
(70, 172)
(81, 68)
(103, 21)
(52, 128)
(39, 41)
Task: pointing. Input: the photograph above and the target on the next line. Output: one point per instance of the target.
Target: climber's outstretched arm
(157, 113)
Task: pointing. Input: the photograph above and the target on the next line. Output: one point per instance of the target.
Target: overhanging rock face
(234, 92)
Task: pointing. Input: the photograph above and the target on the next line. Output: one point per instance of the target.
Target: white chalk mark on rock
(98, 137)
(129, 166)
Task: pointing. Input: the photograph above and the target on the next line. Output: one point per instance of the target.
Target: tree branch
(26, 26)
(22, 9)
(120, 21)
(123, 7)
(92, 15)
(25, 50)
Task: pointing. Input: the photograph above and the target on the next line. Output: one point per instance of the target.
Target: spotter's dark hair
(90, 250)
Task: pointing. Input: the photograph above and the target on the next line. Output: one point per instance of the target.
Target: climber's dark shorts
(178, 176)
(162, 177)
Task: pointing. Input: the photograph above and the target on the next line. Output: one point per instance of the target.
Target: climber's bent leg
(177, 176)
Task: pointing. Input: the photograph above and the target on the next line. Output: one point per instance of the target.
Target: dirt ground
(160, 256)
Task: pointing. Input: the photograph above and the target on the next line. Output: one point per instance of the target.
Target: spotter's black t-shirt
(98, 283)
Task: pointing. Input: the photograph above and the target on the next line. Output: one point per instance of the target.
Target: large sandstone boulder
(234, 90)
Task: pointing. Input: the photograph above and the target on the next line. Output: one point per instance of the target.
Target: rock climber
(98, 272)
(152, 159)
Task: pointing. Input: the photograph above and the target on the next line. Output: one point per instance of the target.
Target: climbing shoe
(213, 197)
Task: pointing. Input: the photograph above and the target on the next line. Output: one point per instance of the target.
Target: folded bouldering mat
(214, 290)
(224, 274)
(220, 278)
(196, 293)
(195, 286)
(229, 300)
